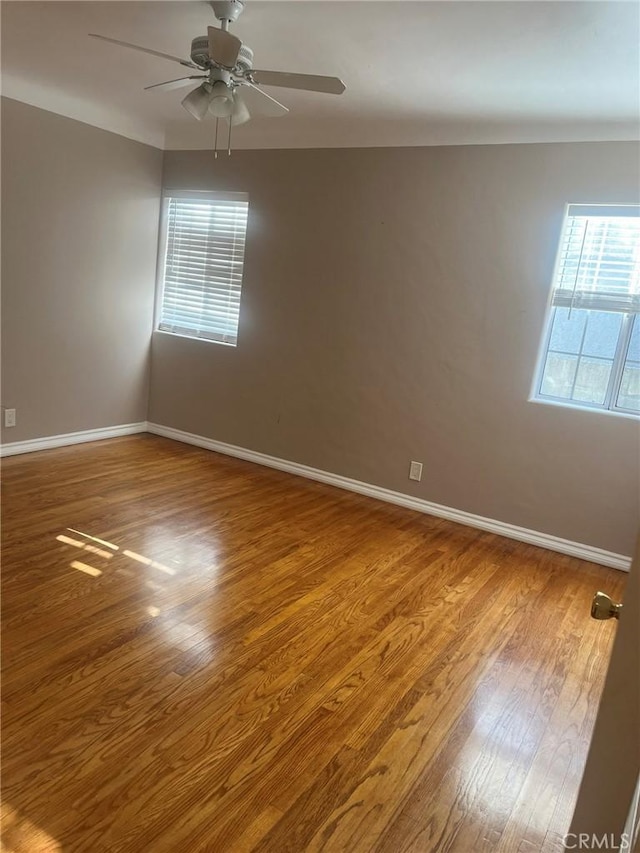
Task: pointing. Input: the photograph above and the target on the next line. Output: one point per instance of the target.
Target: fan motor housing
(200, 55)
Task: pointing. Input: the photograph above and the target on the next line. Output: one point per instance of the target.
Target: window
(591, 351)
(201, 263)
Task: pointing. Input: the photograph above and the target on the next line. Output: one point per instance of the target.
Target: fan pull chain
(215, 142)
(229, 139)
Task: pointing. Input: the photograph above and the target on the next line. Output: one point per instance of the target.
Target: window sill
(591, 409)
(194, 338)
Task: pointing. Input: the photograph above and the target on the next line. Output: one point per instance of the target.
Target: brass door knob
(602, 607)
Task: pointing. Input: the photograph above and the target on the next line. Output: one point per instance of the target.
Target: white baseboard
(511, 531)
(14, 447)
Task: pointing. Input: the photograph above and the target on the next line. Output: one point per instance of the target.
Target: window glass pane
(567, 331)
(603, 331)
(633, 353)
(559, 373)
(592, 380)
(629, 396)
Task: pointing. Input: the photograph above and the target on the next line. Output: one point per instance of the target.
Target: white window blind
(204, 241)
(599, 259)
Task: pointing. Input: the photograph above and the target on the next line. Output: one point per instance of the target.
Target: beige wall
(79, 237)
(392, 309)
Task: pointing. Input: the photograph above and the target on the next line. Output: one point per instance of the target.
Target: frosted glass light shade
(221, 100)
(197, 102)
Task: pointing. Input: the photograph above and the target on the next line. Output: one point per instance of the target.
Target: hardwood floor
(204, 655)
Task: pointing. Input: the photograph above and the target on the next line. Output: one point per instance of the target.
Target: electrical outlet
(9, 417)
(415, 471)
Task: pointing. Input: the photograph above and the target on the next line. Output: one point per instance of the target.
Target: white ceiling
(417, 73)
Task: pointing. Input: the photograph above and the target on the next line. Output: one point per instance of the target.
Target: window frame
(163, 237)
(609, 406)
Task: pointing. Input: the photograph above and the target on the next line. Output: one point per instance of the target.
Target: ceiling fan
(226, 66)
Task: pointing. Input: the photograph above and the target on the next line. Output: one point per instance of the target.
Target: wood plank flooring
(204, 655)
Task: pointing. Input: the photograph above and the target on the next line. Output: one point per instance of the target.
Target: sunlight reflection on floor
(147, 561)
(93, 538)
(199, 550)
(83, 567)
(20, 835)
(106, 555)
(196, 553)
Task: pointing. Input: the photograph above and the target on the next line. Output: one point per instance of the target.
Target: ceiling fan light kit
(240, 114)
(226, 66)
(221, 100)
(197, 101)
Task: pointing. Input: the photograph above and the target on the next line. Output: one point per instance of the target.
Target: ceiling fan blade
(263, 103)
(176, 84)
(309, 82)
(240, 113)
(223, 47)
(184, 62)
